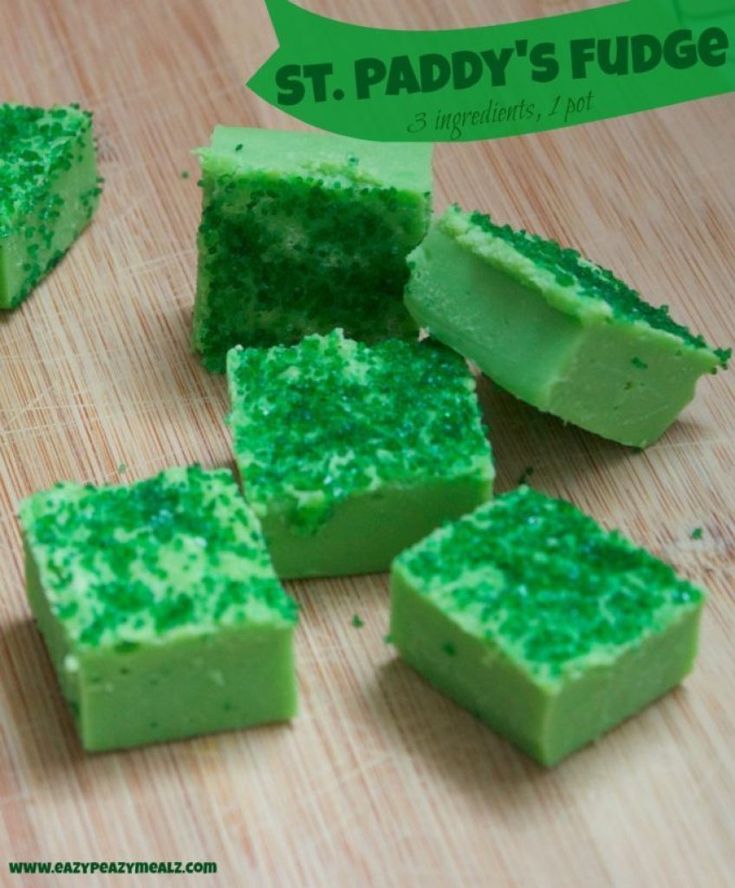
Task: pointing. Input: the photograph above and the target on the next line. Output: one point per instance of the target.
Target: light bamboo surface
(380, 780)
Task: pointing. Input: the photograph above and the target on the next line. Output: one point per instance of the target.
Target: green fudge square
(547, 627)
(350, 452)
(49, 190)
(554, 329)
(303, 232)
(160, 608)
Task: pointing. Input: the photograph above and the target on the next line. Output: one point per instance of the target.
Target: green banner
(502, 80)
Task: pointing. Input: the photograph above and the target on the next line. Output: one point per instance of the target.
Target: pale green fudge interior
(303, 232)
(554, 329)
(49, 190)
(541, 623)
(349, 453)
(160, 607)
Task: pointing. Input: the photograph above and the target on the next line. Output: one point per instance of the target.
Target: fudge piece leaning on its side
(160, 607)
(49, 190)
(541, 623)
(554, 329)
(349, 452)
(303, 232)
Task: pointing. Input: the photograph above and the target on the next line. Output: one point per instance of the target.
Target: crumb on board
(525, 475)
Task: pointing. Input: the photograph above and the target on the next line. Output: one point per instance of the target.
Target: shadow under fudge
(34, 698)
(428, 724)
(39, 711)
(523, 437)
(365, 596)
(453, 742)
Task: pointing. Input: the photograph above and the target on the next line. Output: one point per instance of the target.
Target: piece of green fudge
(547, 627)
(351, 452)
(303, 232)
(160, 608)
(554, 329)
(49, 190)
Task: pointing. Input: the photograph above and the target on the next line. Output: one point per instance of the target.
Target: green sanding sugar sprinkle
(570, 268)
(316, 423)
(357, 621)
(36, 145)
(180, 553)
(546, 584)
(697, 533)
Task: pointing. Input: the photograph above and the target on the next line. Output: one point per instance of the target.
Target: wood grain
(380, 781)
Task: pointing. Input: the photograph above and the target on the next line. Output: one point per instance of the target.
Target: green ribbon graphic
(503, 80)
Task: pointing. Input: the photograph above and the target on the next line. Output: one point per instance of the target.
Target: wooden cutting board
(380, 780)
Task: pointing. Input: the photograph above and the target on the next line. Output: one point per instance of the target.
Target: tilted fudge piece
(545, 626)
(349, 452)
(554, 329)
(303, 232)
(49, 190)
(160, 608)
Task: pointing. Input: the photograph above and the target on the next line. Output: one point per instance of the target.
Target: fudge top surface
(327, 158)
(330, 417)
(546, 584)
(176, 555)
(567, 280)
(34, 145)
